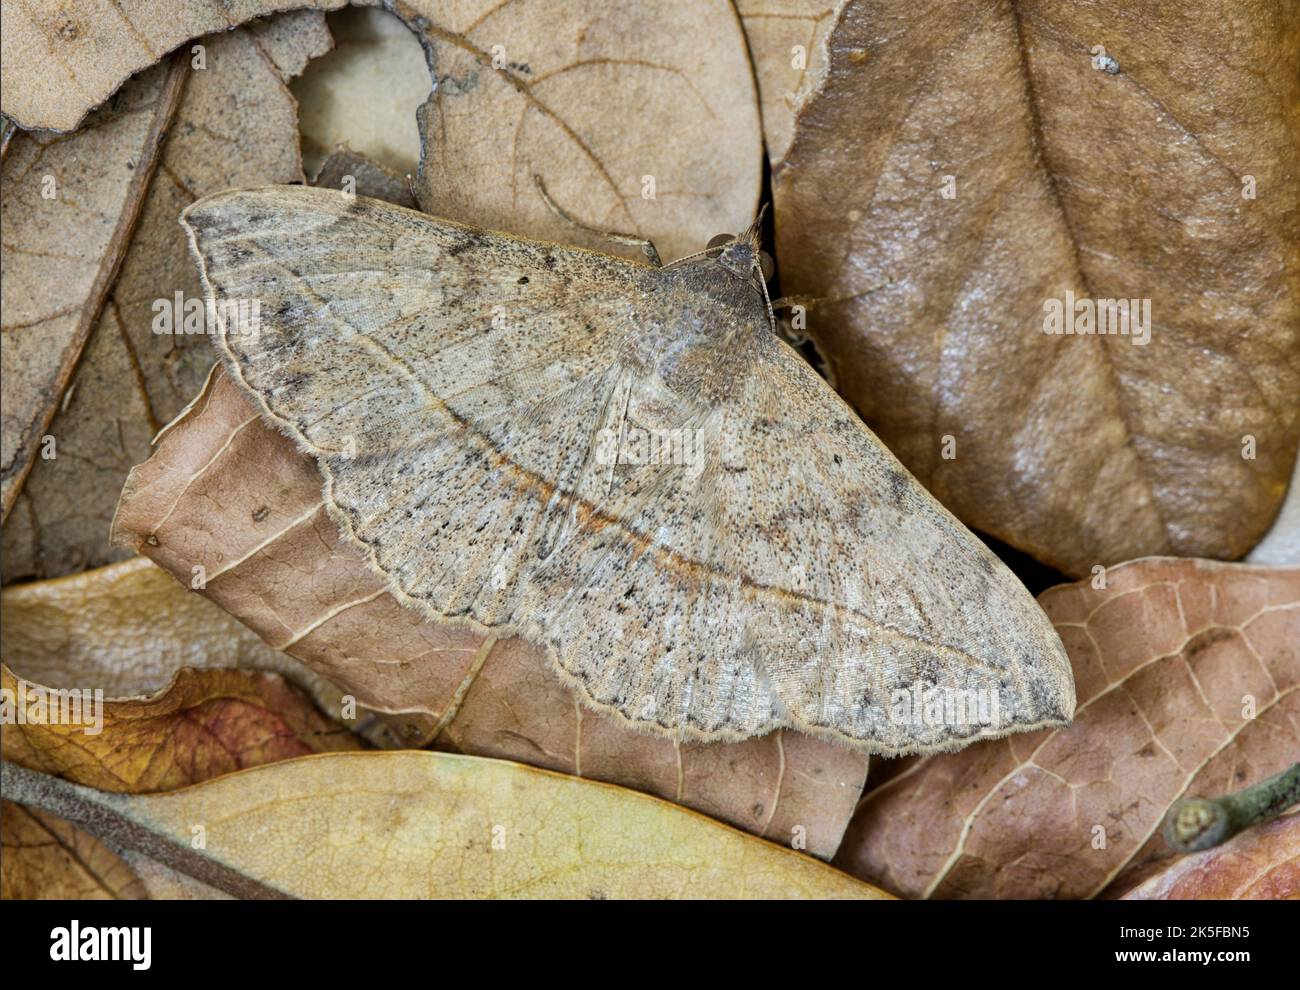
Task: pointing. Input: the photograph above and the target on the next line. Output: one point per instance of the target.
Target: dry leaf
(60, 60)
(47, 858)
(236, 125)
(411, 824)
(1261, 863)
(640, 118)
(232, 496)
(514, 98)
(349, 170)
(964, 163)
(127, 629)
(1187, 674)
(787, 41)
(162, 883)
(70, 204)
(205, 723)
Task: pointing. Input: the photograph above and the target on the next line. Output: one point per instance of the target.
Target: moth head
(742, 254)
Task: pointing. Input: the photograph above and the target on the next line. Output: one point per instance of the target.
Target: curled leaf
(70, 204)
(204, 724)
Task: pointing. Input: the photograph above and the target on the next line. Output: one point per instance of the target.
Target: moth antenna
(771, 316)
(689, 257)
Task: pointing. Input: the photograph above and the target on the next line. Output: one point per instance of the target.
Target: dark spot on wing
(466, 242)
(897, 486)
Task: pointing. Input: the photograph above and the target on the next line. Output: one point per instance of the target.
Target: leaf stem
(1198, 823)
(108, 817)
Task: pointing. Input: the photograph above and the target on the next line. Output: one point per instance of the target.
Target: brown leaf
(70, 204)
(669, 149)
(1262, 863)
(412, 824)
(228, 494)
(47, 858)
(1131, 183)
(1187, 675)
(236, 125)
(63, 59)
(206, 723)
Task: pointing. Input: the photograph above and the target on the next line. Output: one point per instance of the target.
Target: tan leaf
(1187, 675)
(63, 59)
(414, 824)
(787, 41)
(48, 858)
(236, 125)
(127, 629)
(1261, 863)
(1087, 148)
(669, 149)
(206, 723)
(227, 493)
(514, 99)
(70, 204)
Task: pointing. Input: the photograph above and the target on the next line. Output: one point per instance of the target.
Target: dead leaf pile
(939, 173)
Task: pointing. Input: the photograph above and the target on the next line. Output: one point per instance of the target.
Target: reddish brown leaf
(1262, 863)
(1187, 675)
(206, 723)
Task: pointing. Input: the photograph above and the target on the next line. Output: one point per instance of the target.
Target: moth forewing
(624, 464)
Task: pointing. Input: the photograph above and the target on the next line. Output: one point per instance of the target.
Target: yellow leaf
(421, 824)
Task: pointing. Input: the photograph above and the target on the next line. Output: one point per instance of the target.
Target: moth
(625, 463)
